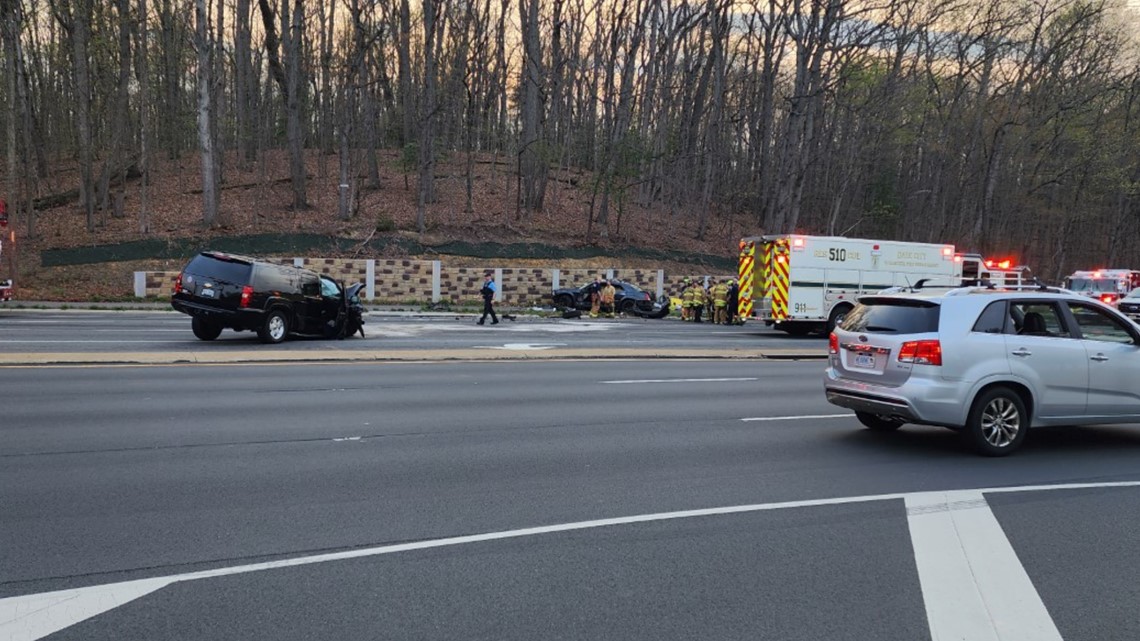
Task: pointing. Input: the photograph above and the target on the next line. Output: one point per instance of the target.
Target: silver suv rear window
(893, 316)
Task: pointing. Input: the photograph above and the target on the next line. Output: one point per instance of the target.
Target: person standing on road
(488, 292)
(719, 293)
(687, 300)
(595, 291)
(733, 301)
(607, 296)
(699, 298)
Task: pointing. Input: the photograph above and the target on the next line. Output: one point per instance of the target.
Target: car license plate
(207, 293)
(866, 361)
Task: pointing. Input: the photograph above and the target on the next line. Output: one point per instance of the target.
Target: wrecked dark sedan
(628, 298)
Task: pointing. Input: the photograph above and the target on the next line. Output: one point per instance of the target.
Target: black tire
(998, 423)
(877, 423)
(564, 301)
(204, 329)
(796, 329)
(627, 306)
(838, 313)
(275, 327)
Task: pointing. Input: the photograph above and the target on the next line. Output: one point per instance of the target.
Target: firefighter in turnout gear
(699, 297)
(719, 294)
(595, 291)
(606, 297)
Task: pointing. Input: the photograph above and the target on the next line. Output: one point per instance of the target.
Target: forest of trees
(1011, 125)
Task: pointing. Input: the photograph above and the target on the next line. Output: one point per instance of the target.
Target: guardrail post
(555, 279)
(660, 283)
(140, 284)
(499, 280)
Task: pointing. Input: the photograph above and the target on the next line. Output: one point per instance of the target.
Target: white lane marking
(521, 346)
(38, 615)
(796, 418)
(973, 585)
(80, 342)
(20, 615)
(638, 381)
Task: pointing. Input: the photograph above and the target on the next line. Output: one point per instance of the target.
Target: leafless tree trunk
(404, 60)
(115, 163)
(204, 44)
(142, 74)
(532, 165)
(245, 84)
(288, 79)
(430, 112)
(9, 14)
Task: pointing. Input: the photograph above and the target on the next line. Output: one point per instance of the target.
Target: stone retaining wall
(422, 281)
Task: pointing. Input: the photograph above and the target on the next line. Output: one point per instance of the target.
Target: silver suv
(989, 362)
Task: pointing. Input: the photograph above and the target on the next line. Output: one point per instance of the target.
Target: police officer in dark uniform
(488, 292)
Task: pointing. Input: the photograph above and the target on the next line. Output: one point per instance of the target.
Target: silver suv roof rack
(962, 286)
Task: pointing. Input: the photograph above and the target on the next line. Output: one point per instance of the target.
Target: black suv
(224, 290)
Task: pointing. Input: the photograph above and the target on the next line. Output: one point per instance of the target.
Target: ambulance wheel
(838, 313)
(796, 329)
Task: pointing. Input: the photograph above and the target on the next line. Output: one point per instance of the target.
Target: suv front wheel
(998, 422)
(275, 328)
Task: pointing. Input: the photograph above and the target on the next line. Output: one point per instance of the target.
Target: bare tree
(426, 192)
(204, 44)
(288, 77)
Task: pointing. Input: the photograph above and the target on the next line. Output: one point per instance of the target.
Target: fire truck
(803, 284)
(1109, 285)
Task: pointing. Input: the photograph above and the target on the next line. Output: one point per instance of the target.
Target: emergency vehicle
(1109, 285)
(803, 284)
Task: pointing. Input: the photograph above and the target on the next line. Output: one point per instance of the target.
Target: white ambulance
(1109, 285)
(803, 284)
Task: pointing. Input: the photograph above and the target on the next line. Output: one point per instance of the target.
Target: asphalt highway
(84, 335)
(570, 499)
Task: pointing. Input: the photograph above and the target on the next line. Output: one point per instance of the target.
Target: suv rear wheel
(998, 422)
(275, 328)
(877, 423)
(204, 329)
